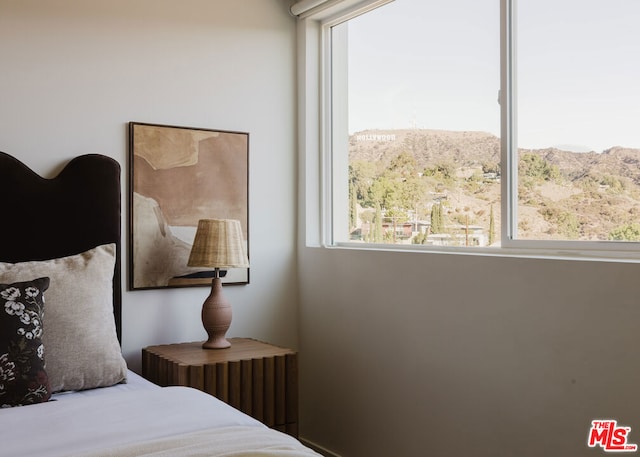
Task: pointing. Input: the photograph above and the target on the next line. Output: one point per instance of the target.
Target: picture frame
(179, 175)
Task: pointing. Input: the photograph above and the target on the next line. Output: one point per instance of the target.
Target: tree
(396, 190)
(377, 225)
(629, 232)
(414, 193)
(492, 227)
(565, 222)
(491, 167)
(404, 164)
(420, 238)
(361, 175)
(353, 207)
(537, 168)
(443, 170)
(399, 188)
(437, 218)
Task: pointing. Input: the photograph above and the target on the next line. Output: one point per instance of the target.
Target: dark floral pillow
(23, 379)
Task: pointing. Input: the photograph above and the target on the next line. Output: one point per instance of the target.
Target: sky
(436, 65)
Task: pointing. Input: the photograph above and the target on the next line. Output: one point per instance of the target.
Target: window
(421, 80)
(482, 124)
(578, 106)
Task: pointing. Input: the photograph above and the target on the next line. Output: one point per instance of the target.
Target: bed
(65, 389)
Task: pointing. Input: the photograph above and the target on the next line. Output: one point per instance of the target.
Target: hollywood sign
(370, 137)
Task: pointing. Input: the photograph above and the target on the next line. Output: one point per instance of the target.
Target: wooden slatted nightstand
(255, 377)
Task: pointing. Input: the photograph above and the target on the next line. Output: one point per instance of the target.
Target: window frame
(324, 188)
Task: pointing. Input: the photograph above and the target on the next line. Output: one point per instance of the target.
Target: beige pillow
(79, 334)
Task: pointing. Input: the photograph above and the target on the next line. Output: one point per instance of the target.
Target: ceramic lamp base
(216, 317)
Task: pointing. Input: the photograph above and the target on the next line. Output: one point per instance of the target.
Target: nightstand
(257, 378)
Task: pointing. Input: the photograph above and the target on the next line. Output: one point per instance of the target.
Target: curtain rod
(303, 8)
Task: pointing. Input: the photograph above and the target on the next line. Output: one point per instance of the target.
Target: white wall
(73, 73)
(416, 354)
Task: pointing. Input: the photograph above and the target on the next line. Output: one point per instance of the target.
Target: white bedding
(125, 418)
(238, 441)
(135, 382)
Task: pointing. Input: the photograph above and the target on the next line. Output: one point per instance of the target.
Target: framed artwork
(179, 175)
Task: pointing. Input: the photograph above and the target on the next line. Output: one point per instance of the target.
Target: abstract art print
(179, 175)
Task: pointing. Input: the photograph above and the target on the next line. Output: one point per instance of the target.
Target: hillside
(563, 194)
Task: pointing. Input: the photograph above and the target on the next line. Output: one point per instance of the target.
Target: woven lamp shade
(218, 244)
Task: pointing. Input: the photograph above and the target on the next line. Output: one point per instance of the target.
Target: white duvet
(129, 420)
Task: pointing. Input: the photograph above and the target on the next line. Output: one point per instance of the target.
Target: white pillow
(79, 334)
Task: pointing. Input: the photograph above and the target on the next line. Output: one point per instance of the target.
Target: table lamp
(218, 244)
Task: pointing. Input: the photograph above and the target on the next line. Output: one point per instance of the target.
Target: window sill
(594, 255)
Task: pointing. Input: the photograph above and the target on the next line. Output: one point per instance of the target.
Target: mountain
(429, 147)
(578, 195)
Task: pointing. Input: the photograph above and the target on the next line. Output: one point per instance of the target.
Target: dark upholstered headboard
(69, 214)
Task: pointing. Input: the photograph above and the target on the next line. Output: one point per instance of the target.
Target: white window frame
(324, 163)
